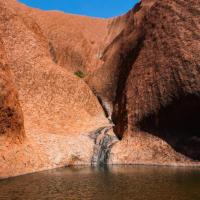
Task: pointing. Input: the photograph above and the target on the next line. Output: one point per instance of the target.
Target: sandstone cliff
(157, 101)
(141, 75)
(60, 111)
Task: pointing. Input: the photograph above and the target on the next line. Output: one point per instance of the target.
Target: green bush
(79, 73)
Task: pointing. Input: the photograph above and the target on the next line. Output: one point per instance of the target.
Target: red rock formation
(60, 111)
(74, 41)
(143, 67)
(158, 106)
(145, 78)
(11, 117)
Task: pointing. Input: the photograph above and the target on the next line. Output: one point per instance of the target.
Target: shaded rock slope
(141, 84)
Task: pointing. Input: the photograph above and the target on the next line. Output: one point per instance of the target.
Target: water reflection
(116, 182)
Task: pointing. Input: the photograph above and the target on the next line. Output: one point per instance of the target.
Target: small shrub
(80, 74)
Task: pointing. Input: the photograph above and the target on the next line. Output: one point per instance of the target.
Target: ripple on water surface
(117, 183)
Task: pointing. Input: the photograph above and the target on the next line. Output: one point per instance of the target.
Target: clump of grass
(79, 73)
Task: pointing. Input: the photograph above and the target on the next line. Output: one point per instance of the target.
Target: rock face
(141, 73)
(150, 76)
(157, 104)
(11, 117)
(59, 108)
(74, 41)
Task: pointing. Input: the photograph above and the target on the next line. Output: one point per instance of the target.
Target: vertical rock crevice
(119, 115)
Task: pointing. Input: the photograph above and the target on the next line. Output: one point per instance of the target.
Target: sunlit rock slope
(80, 91)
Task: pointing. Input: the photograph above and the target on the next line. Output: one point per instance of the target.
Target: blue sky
(95, 8)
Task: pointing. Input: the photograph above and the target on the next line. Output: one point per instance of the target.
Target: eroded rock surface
(59, 108)
(104, 139)
(157, 110)
(141, 74)
(150, 76)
